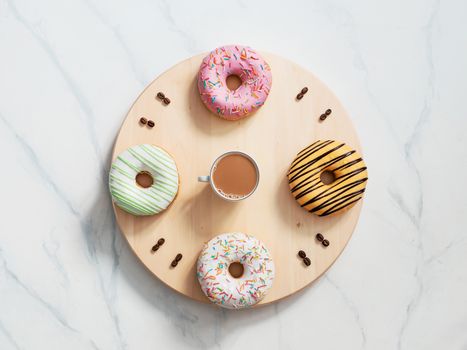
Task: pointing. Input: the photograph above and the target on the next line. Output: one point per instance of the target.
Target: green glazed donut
(131, 197)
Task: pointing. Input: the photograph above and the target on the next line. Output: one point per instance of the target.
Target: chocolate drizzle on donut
(317, 197)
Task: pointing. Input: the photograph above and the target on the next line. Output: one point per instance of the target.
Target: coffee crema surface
(235, 176)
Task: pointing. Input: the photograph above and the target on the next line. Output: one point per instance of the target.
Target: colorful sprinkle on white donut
(243, 62)
(136, 200)
(213, 270)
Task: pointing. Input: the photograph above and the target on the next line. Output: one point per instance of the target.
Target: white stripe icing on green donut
(128, 195)
(213, 274)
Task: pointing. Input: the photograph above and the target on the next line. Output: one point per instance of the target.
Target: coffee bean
(178, 257)
(325, 242)
(319, 237)
(322, 117)
(143, 120)
(166, 101)
(328, 111)
(161, 241)
(299, 96)
(304, 90)
(160, 95)
(174, 263)
(151, 123)
(301, 254)
(155, 247)
(307, 261)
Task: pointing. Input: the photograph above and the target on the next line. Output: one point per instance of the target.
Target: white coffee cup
(209, 178)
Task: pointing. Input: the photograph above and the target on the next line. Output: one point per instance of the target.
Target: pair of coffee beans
(302, 93)
(160, 242)
(320, 238)
(144, 121)
(325, 114)
(161, 96)
(306, 260)
(175, 261)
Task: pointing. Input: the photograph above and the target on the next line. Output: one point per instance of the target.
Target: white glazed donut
(131, 197)
(219, 285)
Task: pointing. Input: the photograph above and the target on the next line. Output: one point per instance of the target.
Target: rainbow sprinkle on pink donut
(243, 62)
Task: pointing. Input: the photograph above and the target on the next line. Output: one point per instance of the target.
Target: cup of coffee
(234, 176)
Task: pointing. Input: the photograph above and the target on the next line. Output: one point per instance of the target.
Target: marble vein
(174, 27)
(36, 163)
(404, 209)
(352, 308)
(73, 87)
(425, 114)
(426, 111)
(9, 337)
(436, 257)
(86, 224)
(50, 308)
(115, 31)
(342, 17)
(50, 250)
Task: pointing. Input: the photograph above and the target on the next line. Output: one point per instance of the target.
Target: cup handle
(204, 178)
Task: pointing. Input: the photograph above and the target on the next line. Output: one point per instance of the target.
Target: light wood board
(273, 136)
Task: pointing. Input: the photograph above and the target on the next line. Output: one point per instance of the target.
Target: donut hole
(236, 269)
(144, 179)
(233, 82)
(327, 177)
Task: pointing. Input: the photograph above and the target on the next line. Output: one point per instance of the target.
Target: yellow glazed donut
(344, 165)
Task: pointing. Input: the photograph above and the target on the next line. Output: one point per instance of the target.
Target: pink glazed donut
(243, 62)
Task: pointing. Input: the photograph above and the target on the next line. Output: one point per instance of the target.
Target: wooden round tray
(273, 136)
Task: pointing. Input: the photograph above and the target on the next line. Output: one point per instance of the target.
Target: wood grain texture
(273, 136)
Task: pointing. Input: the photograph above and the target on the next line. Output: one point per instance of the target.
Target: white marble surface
(69, 71)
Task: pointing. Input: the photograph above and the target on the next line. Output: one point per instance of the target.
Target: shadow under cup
(234, 176)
